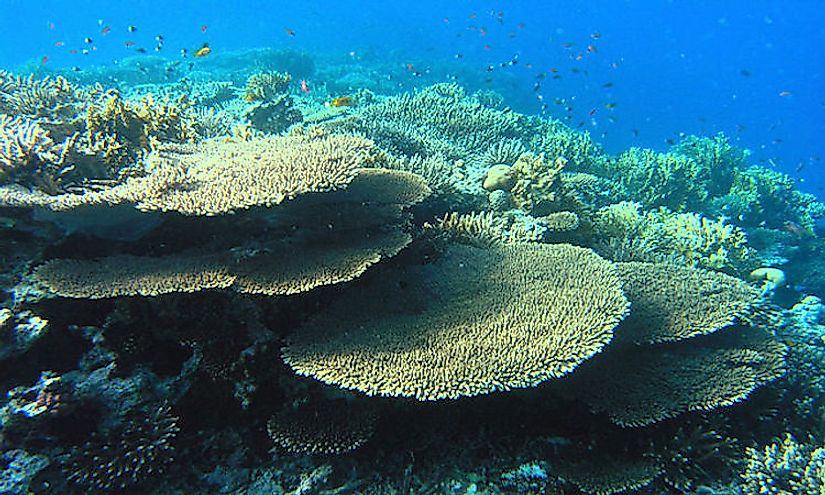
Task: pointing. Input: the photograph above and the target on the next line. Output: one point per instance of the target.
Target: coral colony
(232, 284)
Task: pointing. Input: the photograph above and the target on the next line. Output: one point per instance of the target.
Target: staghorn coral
(638, 386)
(466, 325)
(481, 229)
(325, 427)
(784, 468)
(127, 456)
(266, 86)
(673, 303)
(717, 158)
(504, 152)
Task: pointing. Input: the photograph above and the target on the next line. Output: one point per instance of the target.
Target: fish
(44, 60)
(50, 25)
(204, 28)
(304, 86)
(607, 85)
(183, 52)
(58, 44)
(745, 72)
(290, 32)
(785, 93)
(341, 101)
(202, 51)
(88, 40)
(592, 49)
(611, 105)
(595, 35)
(105, 30)
(140, 50)
(159, 38)
(129, 44)
(131, 29)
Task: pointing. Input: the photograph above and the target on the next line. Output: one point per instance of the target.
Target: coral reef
(407, 347)
(199, 292)
(785, 467)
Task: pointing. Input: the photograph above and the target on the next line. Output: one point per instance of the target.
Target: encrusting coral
(483, 334)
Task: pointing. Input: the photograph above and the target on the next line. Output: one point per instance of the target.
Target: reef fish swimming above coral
(217, 281)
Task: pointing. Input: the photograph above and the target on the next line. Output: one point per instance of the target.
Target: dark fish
(131, 29)
(745, 72)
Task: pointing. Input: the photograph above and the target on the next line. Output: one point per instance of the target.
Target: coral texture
(468, 326)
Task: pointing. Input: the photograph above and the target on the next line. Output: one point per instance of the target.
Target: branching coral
(785, 467)
(128, 456)
(266, 86)
(273, 115)
(440, 119)
(689, 237)
(25, 147)
(466, 325)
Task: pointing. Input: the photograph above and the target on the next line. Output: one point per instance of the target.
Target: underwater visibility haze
(528, 248)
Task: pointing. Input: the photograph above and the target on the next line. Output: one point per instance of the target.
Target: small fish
(482, 31)
(202, 51)
(487, 46)
(204, 27)
(159, 38)
(592, 112)
(472, 16)
(607, 85)
(784, 94)
(50, 25)
(76, 68)
(342, 101)
(745, 72)
(44, 60)
(521, 25)
(73, 52)
(58, 44)
(140, 50)
(129, 44)
(304, 86)
(290, 32)
(446, 20)
(105, 30)
(611, 105)
(568, 45)
(184, 52)
(84, 51)
(595, 35)
(88, 41)
(592, 49)
(131, 29)
(458, 56)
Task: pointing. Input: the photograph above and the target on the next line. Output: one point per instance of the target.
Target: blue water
(666, 68)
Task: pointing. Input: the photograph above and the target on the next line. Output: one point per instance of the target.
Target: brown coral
(478, 321)
(672, 303)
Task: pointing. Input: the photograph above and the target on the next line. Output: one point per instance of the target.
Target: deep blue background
(679, 66)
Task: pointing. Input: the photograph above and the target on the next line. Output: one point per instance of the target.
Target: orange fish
(785, 93)
(202, 51)
(342, 101)
(409, 67)
(304, 86)
(105, 30)
(591, 49)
